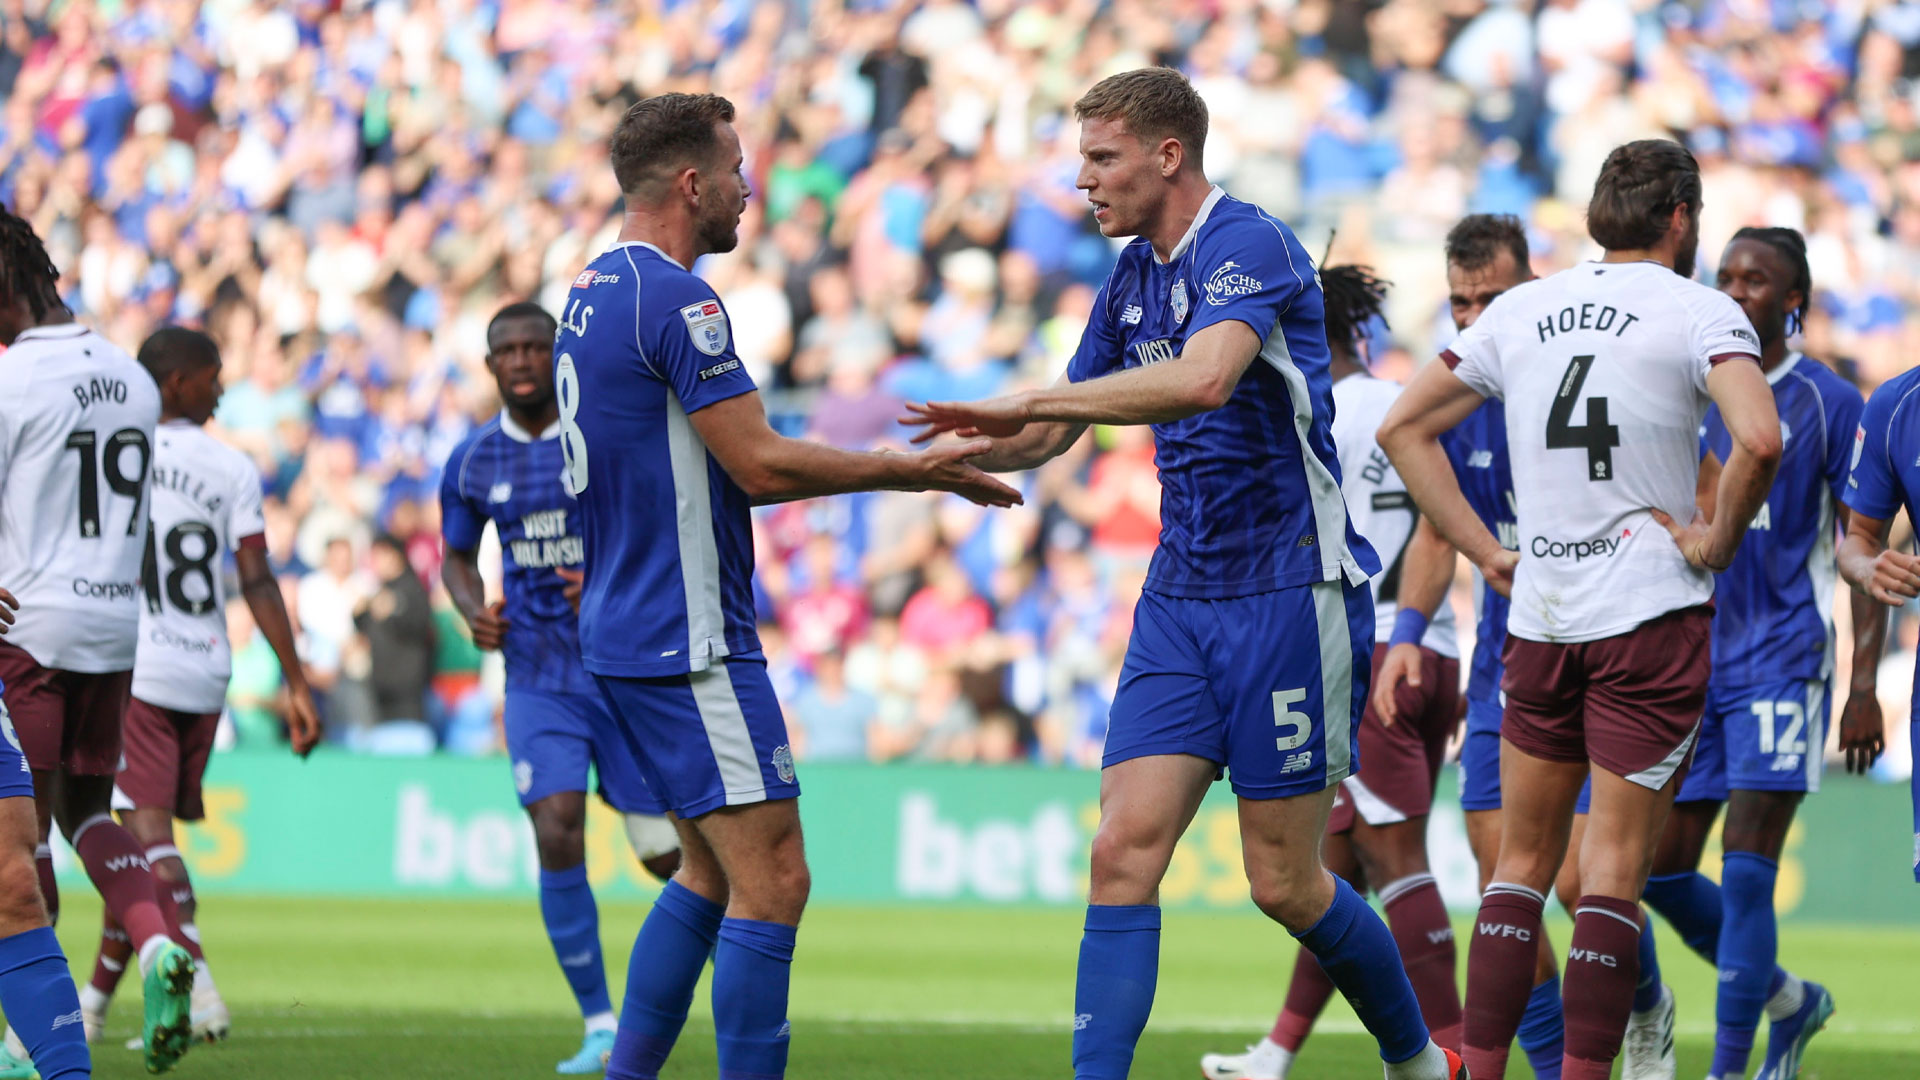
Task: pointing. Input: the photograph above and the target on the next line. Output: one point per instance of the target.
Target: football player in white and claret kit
(1607, 370)
(76, 435)
(205, 500)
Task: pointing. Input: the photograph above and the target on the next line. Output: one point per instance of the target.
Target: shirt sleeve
(462, 522)
(246, 523)
(1100, 350)
(1474, 356)
(692, 346)
(1845, 408)
(1872, 487)
(1250, 271)
(1721, 332)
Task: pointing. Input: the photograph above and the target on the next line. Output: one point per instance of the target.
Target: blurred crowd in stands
(344, 191)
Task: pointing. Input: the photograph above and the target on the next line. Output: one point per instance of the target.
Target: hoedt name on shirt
(1599, 317)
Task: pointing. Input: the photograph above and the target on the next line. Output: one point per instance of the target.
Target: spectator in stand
(397, 623)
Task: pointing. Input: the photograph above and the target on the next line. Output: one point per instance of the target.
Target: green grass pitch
(392, 990)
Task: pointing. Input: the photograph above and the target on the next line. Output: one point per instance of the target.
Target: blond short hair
(1154, 103)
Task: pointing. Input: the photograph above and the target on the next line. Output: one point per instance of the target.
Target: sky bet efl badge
(1179, 300)
(707, 326)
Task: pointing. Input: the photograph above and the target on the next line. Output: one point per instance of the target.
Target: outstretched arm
(1432, 405)
(773, 468)
(269, 610)
(1198, 380)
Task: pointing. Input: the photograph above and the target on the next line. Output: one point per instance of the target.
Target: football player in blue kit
(1253, 635)
(1884, 477)
(1763, 734)
(508, 472)
(666, 447)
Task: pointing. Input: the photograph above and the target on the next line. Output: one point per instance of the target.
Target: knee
(1124, 868)
(776, 892)
(1294, 895)
(1567, 884)
(1391, 853)
(21, 907)
(561, 838)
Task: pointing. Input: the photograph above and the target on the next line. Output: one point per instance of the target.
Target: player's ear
(1172, 156)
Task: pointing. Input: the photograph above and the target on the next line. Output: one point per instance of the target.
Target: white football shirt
(1603, 367)
(1378, 503)
(76, 436)
(206, 502)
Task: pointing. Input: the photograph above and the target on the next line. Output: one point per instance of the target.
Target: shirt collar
(1213, 196)
(54, 332)
(1774, 376)
(517, 433)
(650, 247)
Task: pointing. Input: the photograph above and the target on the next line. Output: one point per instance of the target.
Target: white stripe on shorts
(1372, 809)
(1816, 731)
(1656, 777)
(1336, 677)
(727, 735)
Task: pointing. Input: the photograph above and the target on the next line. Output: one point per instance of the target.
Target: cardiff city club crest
(783, 764)
(1179, 300)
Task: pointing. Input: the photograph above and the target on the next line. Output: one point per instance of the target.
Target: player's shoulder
(1243, 228)
(1893, 398)
(1363, 391)
(467, 452)
(1703, 303)
(215, 455)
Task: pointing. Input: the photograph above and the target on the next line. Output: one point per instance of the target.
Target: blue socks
(751, 967)
(668, 955)
(1646, 993)
(36, 990)
(1359, 955)
(573, 925)
(1543, 1033)
(1690, 903)
(1113, 991)
(1749, 944)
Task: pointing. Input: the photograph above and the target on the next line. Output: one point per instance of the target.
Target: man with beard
(1607, 369)
(665, 446)
(508, 472)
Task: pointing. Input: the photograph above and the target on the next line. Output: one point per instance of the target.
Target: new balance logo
(1592, 957)
(1480, 459)
(65, 1019)
(1131, 315)
(1494, 929)
(500, 492)
(1080, 1022)
(786, 1030)
(1296, 762)
(126, 862)
(579, 959)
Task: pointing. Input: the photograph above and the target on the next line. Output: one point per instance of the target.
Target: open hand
(995, 418)
(576, 581)
(1402, 664)
(1862, 732)
(945, 468)
(1690, 538)
(490, 626)
(1896, 578)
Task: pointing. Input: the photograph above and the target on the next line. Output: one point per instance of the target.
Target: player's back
(1773, 607)
(512, 477)
(77, 416)
(643, 343)
(1603, 370)
(1378, 503)
(204, 502)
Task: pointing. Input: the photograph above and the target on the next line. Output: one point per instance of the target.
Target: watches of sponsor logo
(1230, 281)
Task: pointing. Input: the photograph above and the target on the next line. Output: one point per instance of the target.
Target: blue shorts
(710, 739)
(16, 779)
(1480, 756)
(1270, 686)
(1770, 737)
(552, 738)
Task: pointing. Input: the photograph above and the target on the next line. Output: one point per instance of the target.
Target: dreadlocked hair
(1793, 248)
(25, 269)
(1354, 298)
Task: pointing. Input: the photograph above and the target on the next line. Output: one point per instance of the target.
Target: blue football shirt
(1477, 448)
(1773, 607)
(1250, 492)
(1886, 476)
(505, 474)
(643, 344)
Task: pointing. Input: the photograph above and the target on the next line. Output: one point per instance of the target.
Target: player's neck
(535, 421)
(1662, 255)
(1773, 354)
(1182, 205)
(1342, 365)
(675, 239)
